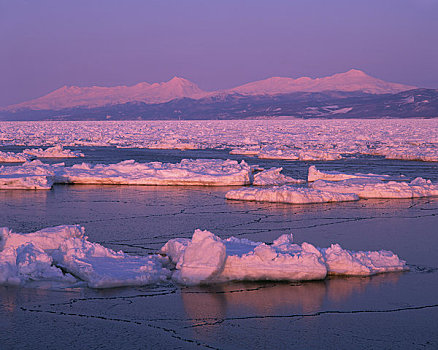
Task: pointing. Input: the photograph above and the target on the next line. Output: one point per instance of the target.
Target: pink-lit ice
(205, 172)
(11, 157)
(208, 259)
(63, 254)
(274, 176)
(368, 188)
(315, 174)
(57, 151)
(33, 175)
(289, 194)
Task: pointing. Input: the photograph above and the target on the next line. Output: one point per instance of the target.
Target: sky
(47, 44)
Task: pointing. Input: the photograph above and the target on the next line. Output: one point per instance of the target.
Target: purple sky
(46, 44)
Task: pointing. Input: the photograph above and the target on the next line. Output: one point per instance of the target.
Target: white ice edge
(205, 172)
(63, 255)
(57, 151)
(208, 259)
(334, 186)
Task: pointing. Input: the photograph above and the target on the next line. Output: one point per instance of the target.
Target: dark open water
(388, 311)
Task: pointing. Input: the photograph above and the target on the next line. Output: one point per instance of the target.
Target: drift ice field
(205, 230)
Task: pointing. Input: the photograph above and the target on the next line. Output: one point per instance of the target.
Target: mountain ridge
(177, 87)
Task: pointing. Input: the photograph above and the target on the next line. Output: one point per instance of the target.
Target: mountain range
(97, 96)
(352, 94)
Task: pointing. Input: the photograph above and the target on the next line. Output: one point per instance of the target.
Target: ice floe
(33, 175)
(368, 188)
(11, 157)
(315, 174)
(63, 254)
(273, 176)
(208, 259)
(206, 172)
(271, 152)
(57, 151)
(289, 194)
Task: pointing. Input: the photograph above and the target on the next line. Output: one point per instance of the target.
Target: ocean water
(388, 311)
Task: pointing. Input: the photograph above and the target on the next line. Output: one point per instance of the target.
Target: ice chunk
(344, 262)
(283, 260)
(273, 176)
(31, 175)
(289, 194)
(64, 254)
(315, 174)
(271, 152)
(23, 182)
(368, 188)
(203, 258)
(11, 157)
(57, 151)
(207, 172)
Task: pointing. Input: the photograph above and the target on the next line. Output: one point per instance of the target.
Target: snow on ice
(289, 194)
(208, 259)
(208, 172)
(366, 188)
(315, 174)
(11, 157)
(205, 172)
(53, 152)
(334, 186)
(63, 256)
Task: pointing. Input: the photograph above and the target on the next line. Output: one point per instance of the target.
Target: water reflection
(206, 303)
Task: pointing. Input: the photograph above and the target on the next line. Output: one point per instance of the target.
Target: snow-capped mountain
(97, 96)
(176, 88)
(353, 80)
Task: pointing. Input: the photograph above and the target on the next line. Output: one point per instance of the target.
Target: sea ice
(315, 174)
(375, 188)
(26, 182)
(206, 172)
(409, 139)
(272, 152)
(33, 175)
(57, 151)
(273, 176)
(11, 157)
(208, 259)
(63, 254)
(289, 194)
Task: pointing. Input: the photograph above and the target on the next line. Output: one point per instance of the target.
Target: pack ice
(208, 259)
(334, 186)
(289, 194)
(57, 151)
(64, 255)
(205, 172)
(371, 185)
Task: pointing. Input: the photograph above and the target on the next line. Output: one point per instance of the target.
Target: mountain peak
(352, 80)
(355, 72)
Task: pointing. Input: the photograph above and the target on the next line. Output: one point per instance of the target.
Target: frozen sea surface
(390, 311)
